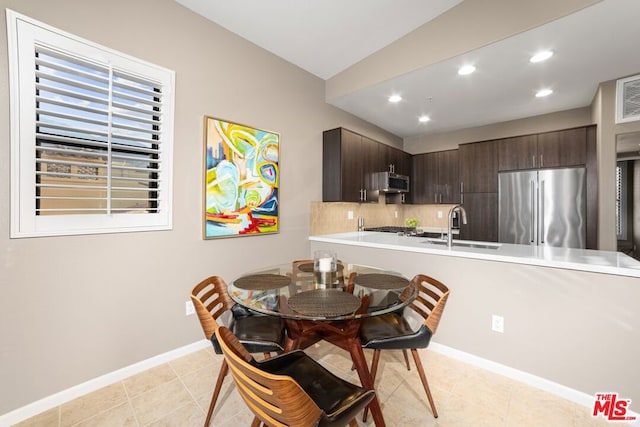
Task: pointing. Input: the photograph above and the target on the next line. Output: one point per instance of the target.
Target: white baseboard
(79, 390)
(554, 388)
(76, 391)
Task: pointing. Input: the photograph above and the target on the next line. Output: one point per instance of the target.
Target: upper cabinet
(394, 160)
(517, 153)
(479, 167)
(562, 148)
(435, 178)
(350, 162)
(545, 150)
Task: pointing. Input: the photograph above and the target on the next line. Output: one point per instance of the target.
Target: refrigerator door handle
(541, 230)
(532, 192)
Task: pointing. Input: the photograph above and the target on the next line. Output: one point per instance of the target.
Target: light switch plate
(189, 309)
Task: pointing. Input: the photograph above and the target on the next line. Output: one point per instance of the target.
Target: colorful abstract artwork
(241, 180)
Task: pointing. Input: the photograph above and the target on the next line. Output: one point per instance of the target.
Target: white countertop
(607, 262)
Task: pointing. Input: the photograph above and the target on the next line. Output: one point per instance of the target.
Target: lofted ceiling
(593, 45)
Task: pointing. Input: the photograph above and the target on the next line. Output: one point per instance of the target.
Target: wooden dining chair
(291, 389)
(258, 333)
(393, 331)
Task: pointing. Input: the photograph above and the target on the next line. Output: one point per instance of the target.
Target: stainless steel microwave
(389, 182)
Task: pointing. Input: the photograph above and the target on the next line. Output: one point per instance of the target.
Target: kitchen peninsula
(571, 318)
(608, 262)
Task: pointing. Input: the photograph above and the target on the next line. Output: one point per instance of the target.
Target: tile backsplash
(334, 217)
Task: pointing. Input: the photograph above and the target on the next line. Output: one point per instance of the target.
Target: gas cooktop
(391, 229)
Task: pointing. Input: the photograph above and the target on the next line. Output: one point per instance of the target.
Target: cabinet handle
(533, 160)
(402, 197)
(461, 192)
(440, 197)
(365, 194)
(541, 161)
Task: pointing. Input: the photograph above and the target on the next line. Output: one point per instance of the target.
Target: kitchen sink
(464, 244)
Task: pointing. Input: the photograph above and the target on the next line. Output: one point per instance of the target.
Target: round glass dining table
(314, 308)
(293, 291)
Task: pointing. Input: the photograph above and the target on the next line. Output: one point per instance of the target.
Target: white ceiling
(596, 44)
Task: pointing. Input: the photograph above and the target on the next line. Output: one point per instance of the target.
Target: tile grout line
(193, 398)
(135, 415)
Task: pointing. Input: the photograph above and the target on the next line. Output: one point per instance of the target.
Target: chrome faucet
(463, 213)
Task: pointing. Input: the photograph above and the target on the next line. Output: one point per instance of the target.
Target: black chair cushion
(339, 399)
(258, 333)
(392, 332)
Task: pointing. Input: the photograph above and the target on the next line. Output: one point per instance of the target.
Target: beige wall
(577, 329)
(75, 308)
(537, 124)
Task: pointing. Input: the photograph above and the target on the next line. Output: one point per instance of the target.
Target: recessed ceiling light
(541, 56)
(466, 69)
(423, 119)
(395, 98)
(543, 92)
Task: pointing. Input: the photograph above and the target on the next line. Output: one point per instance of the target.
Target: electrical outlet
(395, 213)
(350, 215)
(497, 323)
(189, 309)
(439, 214)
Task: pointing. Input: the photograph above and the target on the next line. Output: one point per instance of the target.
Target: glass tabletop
(295, 291)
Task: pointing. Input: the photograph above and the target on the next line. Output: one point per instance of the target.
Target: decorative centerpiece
(325, 268)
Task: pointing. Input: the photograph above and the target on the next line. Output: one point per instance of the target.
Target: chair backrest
(277, 400)
(431, 300)
(210, 299)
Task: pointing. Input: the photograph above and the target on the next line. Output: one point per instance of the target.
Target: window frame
(22, 34)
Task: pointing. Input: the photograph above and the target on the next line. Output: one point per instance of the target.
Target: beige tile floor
(178, 394)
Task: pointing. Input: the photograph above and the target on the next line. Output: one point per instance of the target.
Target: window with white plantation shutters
(91, 136)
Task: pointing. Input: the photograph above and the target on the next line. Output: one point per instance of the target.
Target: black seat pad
(339, 399)
(258, 333)
(392, 332)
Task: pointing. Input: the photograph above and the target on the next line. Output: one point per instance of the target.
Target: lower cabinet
(482, 217)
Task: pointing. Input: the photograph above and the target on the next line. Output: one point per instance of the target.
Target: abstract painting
(241, 180)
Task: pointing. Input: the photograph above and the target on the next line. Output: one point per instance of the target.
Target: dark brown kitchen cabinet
(394, 160)
(448, 176)
(544, 150)
(562, 148)
(349, 161)
(517, 153)
(482, 217)
(435, 178)
(478, 164)
(424, 176)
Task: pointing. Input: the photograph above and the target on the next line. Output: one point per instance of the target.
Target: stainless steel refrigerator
(543, 207)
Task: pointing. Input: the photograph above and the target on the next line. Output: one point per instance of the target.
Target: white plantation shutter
(91, 136)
